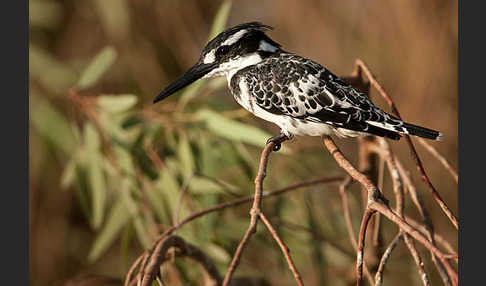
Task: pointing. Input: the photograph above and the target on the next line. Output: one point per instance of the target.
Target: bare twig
(439, 157)
(429, 228)
(239, 250)
(359, 64)
(255, 214)
(285, 249)
(376, 202)
(384, 259)
(349, 224)
(159, 256)
(361, 244)
(372, 166)
(398, 190)
(142, 260)
(373, 194)
(314, 233)
(248, 199)
(403, 225)
(347, 213)
(129, 277)
(437, 237)
(376, 238)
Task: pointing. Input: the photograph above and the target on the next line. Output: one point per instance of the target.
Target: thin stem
(255, 209)
(384, 259)
(349, 224)
(361, 65)
(283, 247)
(439, 157)
(361, 244)
(376, 202)
(255, 214)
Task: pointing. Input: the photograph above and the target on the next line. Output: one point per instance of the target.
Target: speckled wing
(290, 85)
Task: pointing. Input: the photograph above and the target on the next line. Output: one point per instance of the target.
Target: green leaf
(220, 19)
(201, 185)
(190, 92)
(133, 208)
(205, 227)
(91, 138)
(185, 155)
(96, 177)
(217, 253)
(112, 124)
(98, 191)
(118, 217)
(53, 74)
(98, 66)
(68, 176)
(142, 233)
(168, 186)
(156, 201)
(52, 125)
(117, 103)
(124, 160)
(233, 130)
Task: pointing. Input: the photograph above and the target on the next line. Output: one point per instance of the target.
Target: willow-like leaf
(218, 26)
(97, 67)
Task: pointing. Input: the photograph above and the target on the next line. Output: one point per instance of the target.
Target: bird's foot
(277, 140)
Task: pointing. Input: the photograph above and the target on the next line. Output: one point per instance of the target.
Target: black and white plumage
(299, 95)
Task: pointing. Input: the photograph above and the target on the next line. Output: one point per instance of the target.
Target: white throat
(231, 67)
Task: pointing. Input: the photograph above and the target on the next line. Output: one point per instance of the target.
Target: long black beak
(190, 76)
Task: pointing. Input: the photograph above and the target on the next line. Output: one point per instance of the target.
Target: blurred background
(107, 168)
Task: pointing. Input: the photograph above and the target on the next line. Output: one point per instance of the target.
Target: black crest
(247, 43)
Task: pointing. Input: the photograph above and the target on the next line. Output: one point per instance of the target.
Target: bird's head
(233, 49)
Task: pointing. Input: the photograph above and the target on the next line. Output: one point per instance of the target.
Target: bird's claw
(277, 146)
(277, 141)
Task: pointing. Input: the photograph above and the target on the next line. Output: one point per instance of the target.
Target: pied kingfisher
(297, 94)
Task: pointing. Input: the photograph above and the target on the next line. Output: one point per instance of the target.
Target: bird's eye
(223, 50)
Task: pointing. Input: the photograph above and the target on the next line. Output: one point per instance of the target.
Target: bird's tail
(423, 132)
(392, 131)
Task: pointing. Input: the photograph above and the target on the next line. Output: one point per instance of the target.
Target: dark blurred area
(410, 46)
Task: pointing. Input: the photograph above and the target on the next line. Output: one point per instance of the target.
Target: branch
(398, 190)
(361, 244)
(349, 223)
(403, 225)
(439, 157)
(429, 228)
(384, 259)
(255, 214)
(283, 247)
(376, 202)
(248, 199)
(160, 255)
(360, 65)
(142, 259)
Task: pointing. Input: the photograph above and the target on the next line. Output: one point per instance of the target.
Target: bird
(299, 95)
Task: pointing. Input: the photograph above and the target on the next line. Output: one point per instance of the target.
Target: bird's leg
(277, 140)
